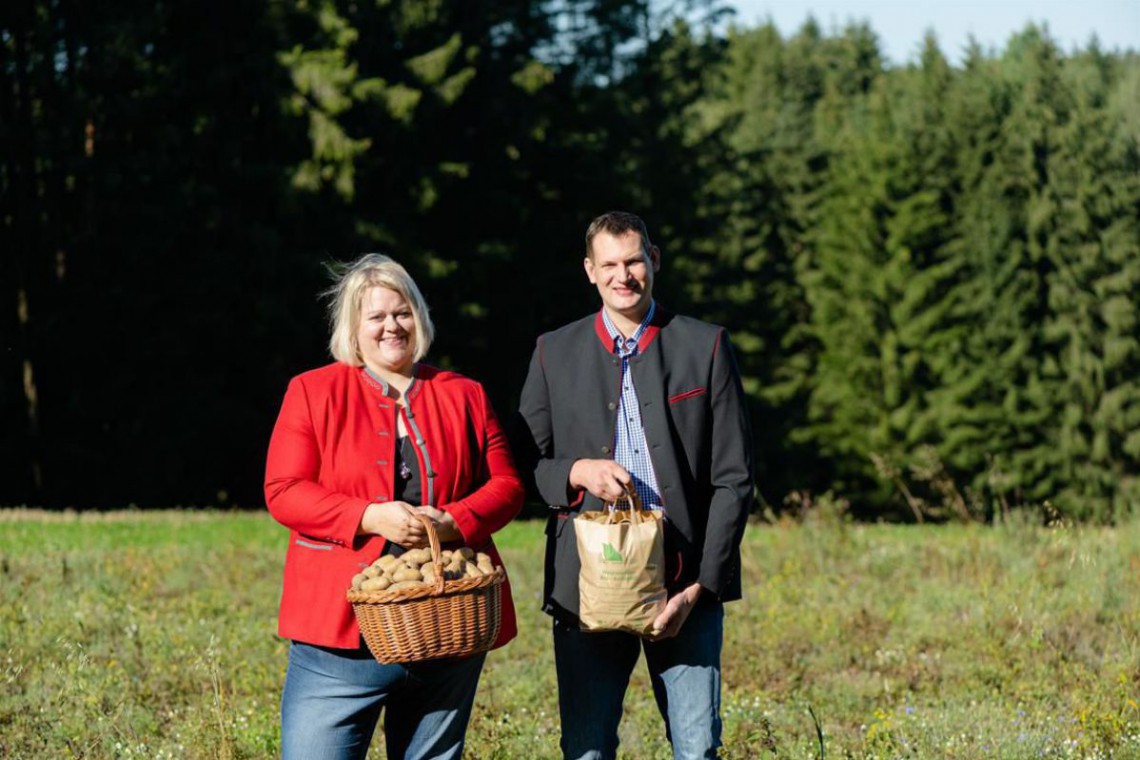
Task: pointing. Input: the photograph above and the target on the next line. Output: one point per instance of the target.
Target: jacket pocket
(307, 544)
(687, 394)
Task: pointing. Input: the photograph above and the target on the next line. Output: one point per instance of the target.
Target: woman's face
(387, 331)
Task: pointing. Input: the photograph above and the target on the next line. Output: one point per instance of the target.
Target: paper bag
(621, 586)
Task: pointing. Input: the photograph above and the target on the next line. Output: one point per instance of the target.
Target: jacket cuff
(713, 581)
(470, 526)
(553, 481)
(349, 521)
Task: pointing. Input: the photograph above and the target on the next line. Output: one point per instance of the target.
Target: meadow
(152, 635)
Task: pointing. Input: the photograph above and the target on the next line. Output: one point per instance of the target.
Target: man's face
(623, 271)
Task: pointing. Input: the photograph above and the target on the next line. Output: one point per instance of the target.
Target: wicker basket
(448, 619)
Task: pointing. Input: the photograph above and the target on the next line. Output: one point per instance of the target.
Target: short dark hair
(616, 223)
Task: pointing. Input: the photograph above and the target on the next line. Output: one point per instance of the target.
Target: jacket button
(605, 449)
(612, 406)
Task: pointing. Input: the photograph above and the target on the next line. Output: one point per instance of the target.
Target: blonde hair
(351, 282)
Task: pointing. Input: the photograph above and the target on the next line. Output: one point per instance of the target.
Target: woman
(360, 446)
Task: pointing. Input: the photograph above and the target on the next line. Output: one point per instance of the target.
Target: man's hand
(604, 478)
(668, 623)
(395, 521)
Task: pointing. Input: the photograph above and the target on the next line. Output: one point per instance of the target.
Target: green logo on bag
(610, 554)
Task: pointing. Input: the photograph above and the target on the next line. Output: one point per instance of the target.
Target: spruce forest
(930, 269)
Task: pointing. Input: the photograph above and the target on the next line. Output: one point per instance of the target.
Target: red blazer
(332, 454)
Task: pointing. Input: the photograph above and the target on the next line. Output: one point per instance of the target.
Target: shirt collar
(622, 344)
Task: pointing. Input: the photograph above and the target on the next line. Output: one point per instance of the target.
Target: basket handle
(436, 558)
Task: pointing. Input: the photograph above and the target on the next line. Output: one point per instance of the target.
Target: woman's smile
(386, 335)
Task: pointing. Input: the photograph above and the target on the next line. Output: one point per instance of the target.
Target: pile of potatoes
(414, 568)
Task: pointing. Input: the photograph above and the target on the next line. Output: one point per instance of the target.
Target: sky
(901, 24)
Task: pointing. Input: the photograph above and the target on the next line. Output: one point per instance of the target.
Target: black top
(406, 485)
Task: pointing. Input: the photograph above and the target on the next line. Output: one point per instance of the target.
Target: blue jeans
(594, 670)
(333, 698)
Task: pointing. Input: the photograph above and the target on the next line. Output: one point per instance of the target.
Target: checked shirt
(630, 449)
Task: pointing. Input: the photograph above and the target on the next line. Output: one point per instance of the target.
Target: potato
(418, 565)
(376, 584)
(358, 579)
(405, 584)
(406, 573)
(417, 556)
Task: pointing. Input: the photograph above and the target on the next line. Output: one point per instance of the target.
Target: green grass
(152, 635)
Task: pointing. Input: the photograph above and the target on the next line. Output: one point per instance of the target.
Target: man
(636, 395)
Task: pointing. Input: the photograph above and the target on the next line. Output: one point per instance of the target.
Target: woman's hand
(445, 526)
(395, 521)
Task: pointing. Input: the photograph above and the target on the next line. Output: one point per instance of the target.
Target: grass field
(151, 635)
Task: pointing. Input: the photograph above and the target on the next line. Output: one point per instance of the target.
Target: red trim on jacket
(647, 337)
(602, 333)
(332, 453)
(652, 329)
(687, 394)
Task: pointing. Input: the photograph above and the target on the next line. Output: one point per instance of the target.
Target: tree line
(930, 271)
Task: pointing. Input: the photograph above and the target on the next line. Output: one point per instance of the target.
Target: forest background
(930, 271)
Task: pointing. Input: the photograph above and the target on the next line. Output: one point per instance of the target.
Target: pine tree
(753, 125)
(1093, 244)
(999, 403)
(883, 282)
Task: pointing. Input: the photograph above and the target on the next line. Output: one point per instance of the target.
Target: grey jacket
(696, 426)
